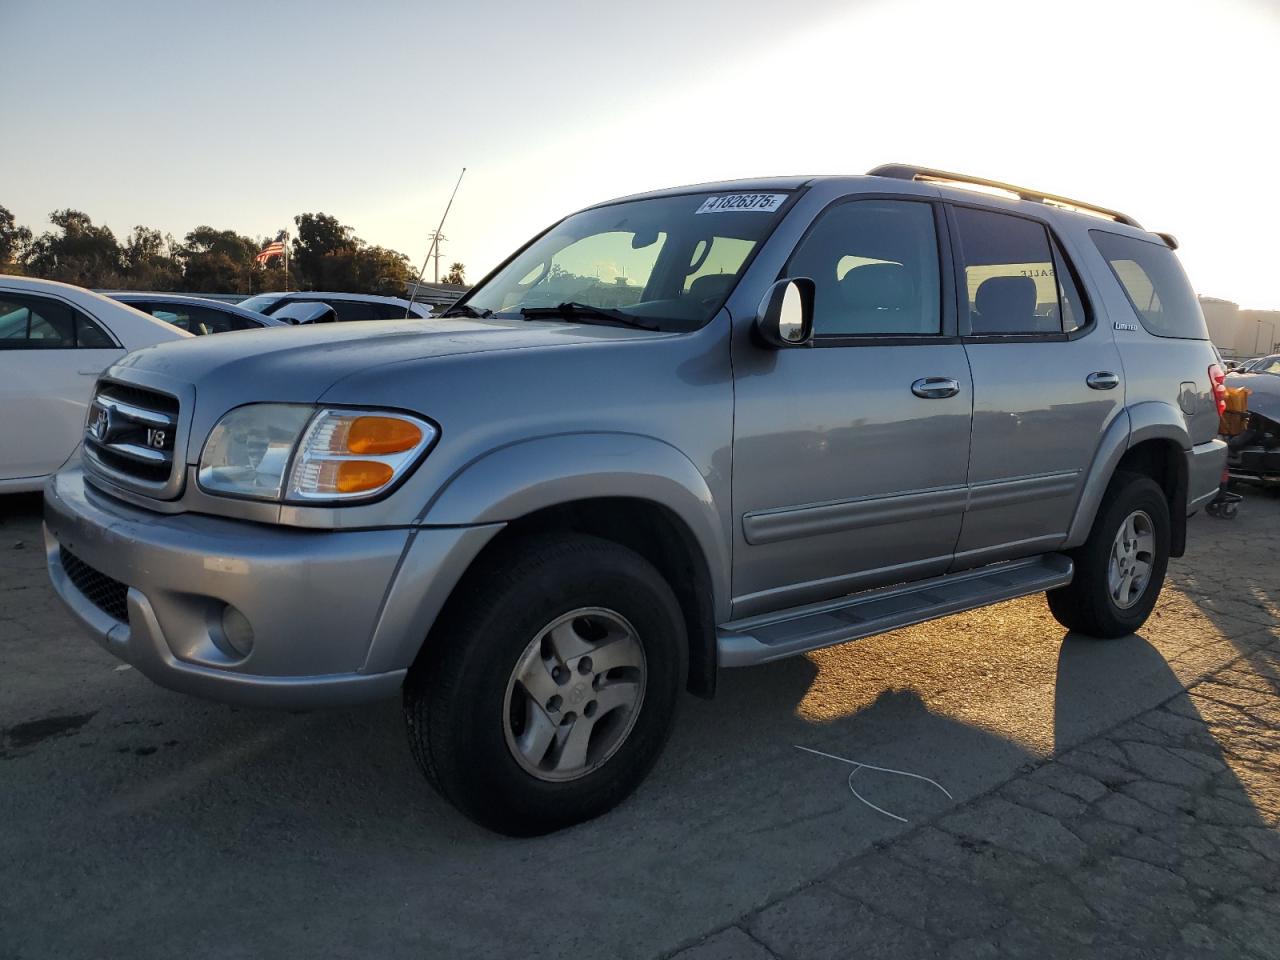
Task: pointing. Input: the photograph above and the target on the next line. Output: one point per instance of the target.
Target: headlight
(248, 452)
(353, 454)
(275, 451)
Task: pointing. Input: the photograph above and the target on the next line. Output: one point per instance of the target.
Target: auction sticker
(742, 203)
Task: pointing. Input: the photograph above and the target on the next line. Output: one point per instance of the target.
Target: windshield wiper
(584, 313)
(466, 310)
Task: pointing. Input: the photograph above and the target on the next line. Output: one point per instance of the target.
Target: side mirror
(786, 314)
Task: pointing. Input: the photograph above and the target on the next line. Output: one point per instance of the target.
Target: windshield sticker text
(742, 203)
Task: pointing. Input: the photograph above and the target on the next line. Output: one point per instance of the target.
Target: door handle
(1102, 380)
(90, 373)
(935, 388)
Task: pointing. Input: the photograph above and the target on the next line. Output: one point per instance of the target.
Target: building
(1226, 329)
(1265, 325)
(1241, 333)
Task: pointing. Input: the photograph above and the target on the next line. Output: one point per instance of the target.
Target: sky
(242, 114)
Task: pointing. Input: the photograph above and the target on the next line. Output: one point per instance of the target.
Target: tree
(327, 255)
(14, 242)
(321, 251)
(457, 274)
(82, 253)
(217, 260)
(379, 270)
(149, 261)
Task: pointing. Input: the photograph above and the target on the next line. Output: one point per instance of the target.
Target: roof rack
(905, 171)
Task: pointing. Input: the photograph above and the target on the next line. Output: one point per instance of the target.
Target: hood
(1264, 392)
(299, 363)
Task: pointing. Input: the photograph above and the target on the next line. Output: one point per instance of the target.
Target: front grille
(105, 593)
(131, 432)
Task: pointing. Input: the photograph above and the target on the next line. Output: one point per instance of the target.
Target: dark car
(1253, 456)
(196, 315)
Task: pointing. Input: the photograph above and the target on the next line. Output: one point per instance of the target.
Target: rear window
(1154, 282)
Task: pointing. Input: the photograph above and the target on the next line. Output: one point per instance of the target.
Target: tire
(478, 732)
(1089, 604)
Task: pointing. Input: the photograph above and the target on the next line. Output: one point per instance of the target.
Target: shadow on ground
(136, 821)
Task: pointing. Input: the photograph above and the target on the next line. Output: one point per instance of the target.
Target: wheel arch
(1150, 438)
(636, 491)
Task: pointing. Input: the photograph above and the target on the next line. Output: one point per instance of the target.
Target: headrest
(712, 286)
(1006, 305)
(877, 286)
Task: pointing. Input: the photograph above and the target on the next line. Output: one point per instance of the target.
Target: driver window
(874, 264)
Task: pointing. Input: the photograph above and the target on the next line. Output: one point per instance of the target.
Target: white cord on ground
(867, 766)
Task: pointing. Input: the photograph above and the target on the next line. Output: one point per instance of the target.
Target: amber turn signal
(378, 436)
(356, 476)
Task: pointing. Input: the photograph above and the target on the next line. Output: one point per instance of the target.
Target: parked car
(1244, 366)
(1270, 364)
(346, 306)
(55, 339)
(1254, 454)
(705, 427)
(196, 315)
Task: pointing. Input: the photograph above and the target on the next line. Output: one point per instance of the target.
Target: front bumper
(337, 616)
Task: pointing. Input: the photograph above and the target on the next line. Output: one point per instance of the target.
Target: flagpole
(286, 261)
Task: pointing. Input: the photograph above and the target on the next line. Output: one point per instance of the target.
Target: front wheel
(1120, 569)
(548, 691)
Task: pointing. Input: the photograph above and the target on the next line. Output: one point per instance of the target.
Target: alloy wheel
(574, 694)
(1132, 555)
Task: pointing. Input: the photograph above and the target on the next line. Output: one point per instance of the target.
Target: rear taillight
(1217, 381)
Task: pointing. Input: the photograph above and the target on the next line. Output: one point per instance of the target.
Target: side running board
(780, 634)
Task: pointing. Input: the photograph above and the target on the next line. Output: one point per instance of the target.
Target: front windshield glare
(671, 260)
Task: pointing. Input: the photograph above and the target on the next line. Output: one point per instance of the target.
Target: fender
(1149, 420)
(1157, 420)
(516, 480)
(1114, 443)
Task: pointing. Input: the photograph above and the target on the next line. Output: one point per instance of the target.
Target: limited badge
(742, 203)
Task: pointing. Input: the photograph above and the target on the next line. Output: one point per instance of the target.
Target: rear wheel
(548, 693)
(1120, 569)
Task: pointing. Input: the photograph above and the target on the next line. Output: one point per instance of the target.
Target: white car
(55, 339)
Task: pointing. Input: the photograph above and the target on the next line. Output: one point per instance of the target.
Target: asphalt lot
(137, 822)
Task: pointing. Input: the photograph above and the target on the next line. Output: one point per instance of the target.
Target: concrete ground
(1107, 799)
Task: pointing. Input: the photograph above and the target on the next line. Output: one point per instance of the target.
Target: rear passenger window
(90, 336)
(1015, 276)
(203, 320)
(1155, 285)
(875, 266)
(34, 323)
(348, 310)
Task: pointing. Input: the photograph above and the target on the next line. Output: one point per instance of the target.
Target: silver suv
(699, 428)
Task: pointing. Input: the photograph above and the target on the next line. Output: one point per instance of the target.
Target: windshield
(669, 260)
(262, 303)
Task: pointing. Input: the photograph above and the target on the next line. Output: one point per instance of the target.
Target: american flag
(273, 249)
